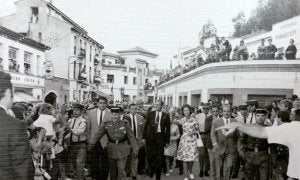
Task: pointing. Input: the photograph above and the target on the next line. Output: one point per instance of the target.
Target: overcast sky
(160, 26)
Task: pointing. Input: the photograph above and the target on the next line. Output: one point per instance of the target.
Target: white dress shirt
(134, 124)
(99, 115)
(159, 119)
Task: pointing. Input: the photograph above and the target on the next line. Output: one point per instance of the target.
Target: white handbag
(199, 141)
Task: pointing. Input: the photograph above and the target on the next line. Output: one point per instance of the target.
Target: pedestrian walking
(118, 133)
(156, 135)
(187, 149)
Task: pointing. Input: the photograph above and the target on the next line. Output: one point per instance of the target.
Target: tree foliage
(267, 13)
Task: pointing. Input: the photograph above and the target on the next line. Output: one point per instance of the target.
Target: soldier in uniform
(77, 151)
(255, 151)
(118, 133)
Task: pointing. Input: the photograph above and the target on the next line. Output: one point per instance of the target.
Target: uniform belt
(117, 141)
(203, 133)
(253, 150)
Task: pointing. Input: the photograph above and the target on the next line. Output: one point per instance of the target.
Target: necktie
(100, 122)
(245, 119)
(227, 121)
(133, 125)
(157, 121)
(251, 118)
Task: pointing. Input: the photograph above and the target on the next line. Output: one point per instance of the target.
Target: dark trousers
(117, 168)
(141, 160)
(77, 159)
(256, 166)
(98, 163)
(204, 159)
(155, 155)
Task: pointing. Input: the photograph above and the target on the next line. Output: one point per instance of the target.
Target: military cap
(77, 105)
(115, 109)
(252, 102)
(242, 107)
(261, 111)
(206, 105)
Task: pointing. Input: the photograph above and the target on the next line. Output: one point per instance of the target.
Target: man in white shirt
(252, 105)
(204, 120)
(287, 134)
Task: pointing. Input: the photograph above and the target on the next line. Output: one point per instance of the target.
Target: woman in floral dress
(187, 149)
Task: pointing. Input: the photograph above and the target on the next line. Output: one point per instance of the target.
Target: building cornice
(236, 67)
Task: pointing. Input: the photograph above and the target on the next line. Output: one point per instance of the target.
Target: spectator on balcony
(225, 51)
(261, 50)
(241, 51)
(270, 50)
(291, 51)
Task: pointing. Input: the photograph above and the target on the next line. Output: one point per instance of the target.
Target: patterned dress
(187, 149)
(171, 150)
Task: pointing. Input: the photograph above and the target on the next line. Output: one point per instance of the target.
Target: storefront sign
(23, 80)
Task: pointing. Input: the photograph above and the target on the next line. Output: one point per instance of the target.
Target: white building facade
(130, 75)
(74, 55)
(236, 81)
(23, 59)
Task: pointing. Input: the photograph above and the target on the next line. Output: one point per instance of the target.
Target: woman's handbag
(199, 140)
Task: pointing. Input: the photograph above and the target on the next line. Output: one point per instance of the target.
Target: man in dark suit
(156, 135)
(136, 122)
(205, 122)
(98, 160)
(224, 147)
(15, 157)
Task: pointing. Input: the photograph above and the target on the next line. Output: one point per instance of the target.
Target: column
(4, 55)
(204, 95)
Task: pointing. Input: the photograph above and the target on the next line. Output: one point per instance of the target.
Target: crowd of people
(124, 140)
(221, 51)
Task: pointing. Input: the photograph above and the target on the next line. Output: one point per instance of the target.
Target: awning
(23, 97)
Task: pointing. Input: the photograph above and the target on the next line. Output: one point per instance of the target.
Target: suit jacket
(15, 155)
(226, 143)
(150, 130)
(208, 125)
(140, 121)
(92, 124)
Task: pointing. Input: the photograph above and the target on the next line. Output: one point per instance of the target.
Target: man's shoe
(151, 174)
(192, 176)
(201, 174)
(128, 174)
(206, 173)
(133, 178)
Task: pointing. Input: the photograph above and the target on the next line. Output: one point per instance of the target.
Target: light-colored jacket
(92, 124)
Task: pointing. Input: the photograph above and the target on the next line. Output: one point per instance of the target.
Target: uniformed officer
(255, 151)
(77, 150)
(118, 133)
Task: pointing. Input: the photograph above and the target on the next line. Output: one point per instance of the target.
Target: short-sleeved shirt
(288, 134)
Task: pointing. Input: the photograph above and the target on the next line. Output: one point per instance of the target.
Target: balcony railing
(149, 87)
(82, 53)
(96, 59)
(119, 66)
